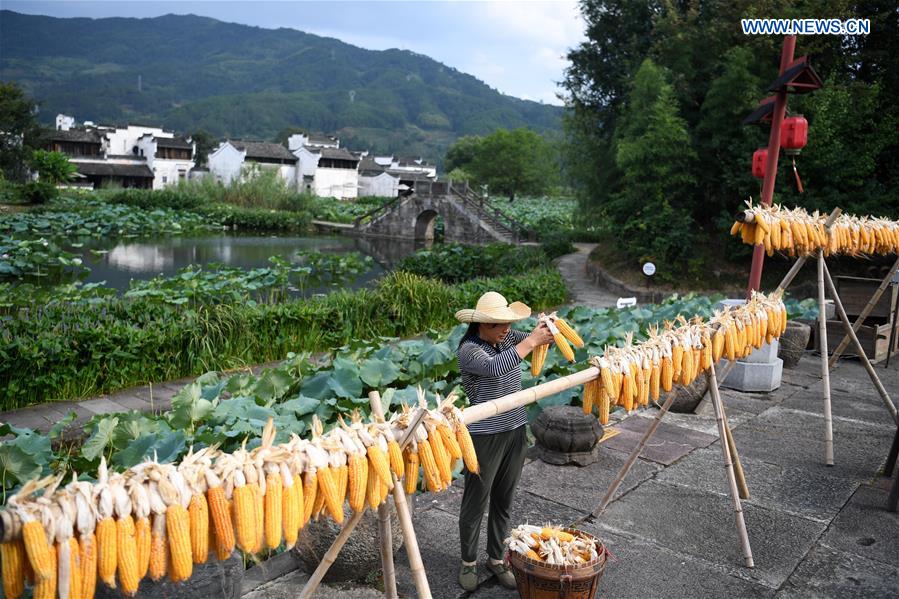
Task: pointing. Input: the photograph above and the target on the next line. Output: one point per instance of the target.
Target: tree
(654, 155)
(52, 167)
(19, 130)
(462, 153)
(206, 142)
(515, 162)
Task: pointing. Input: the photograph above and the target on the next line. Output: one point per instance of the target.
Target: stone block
(745, 376)
(766, 354)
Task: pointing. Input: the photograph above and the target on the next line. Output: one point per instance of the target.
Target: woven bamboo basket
(539, 580)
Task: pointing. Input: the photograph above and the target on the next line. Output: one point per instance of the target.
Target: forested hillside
(236, 80)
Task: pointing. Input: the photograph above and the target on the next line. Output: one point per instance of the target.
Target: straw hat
(493, 308)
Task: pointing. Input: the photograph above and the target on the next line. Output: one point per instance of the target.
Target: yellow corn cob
(245, 518)
(74, 569)
(38, 550)
(654, 379)
(378, 464)
(429, 465)
(177, 529)
(291, 511)
(554, 533)
(449, 442)
(628, 391)
(730, 342)
(342, 475)
(220, 516)
(587, 398)
(686, 367)
(318, 506)
(667, 374)
(605, 374)
(538, 357)
(396, 458)
(12, 560)
(310, 495)
(636, 376)
(142, 545)
(159, 549)
(603, 406)
(274, 509)
(383, 491)
(259, 514)
(373, 490)
(469, 456)
(45, 588)
(106, 551)
(533, 555)
(126, 553)
(87, 552)
(358, 479)
(677, 357)
(441, 458)
(747, 233)
(718, 345)
(569, 332)
(645, 374)
(563, 346)
(735, 228)
(198, 511)
(706, 361)
(328, 488)
(411, 470)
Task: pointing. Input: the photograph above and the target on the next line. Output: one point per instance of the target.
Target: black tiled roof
(264, 149)
(111, 169)
(338, 154)
(74, 135)
(173, 142)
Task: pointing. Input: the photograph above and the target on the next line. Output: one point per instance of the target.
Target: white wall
(64, 122)
(225, 163)
(308, 162)
(382, 185)
(339, 183)
(122, 140)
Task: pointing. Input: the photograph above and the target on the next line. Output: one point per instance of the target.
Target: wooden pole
(316, 578)
(891, 408)
(421, 581)
(384, 529)
(825, 370)
(800, 262)
(864, 314)
(631, 459)
(527, 396)
(729, 469)
(732, 448)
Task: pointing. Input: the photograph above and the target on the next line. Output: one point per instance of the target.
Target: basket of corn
(555, 563)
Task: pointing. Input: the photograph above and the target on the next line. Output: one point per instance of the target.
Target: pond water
(117, 262)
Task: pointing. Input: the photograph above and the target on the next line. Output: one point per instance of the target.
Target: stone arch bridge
(467, 218)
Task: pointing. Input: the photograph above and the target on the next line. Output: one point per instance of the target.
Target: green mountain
(190, 72)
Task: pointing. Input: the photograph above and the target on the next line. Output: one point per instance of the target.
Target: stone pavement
(584, 292)
(816, 531)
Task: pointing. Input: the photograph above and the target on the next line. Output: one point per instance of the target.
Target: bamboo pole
(800, 262)
(328, 559)
(864, 314)
(421, 582)
(729, 469)
(890, 406)
(384, 529)
(632, 458)
(487, 409)
(825, 370)
(732, 448)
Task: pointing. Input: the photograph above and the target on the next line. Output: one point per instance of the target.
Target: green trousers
(500, 457)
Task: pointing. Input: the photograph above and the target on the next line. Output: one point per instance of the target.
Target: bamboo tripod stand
(826, 282)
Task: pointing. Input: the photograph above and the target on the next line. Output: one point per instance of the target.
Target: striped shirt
(490, 372)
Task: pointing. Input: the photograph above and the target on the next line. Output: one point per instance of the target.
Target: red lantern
(759, 161)
(794, 134)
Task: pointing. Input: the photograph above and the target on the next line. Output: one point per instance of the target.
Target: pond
(117, 262)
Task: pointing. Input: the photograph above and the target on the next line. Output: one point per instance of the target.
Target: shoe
(503, 574)
(468, 577)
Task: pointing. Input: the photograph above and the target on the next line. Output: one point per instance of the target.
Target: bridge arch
(424, 224)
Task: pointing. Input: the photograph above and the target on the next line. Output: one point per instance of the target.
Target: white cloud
(556, 24)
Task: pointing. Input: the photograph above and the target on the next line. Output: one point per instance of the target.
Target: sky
(515, 47)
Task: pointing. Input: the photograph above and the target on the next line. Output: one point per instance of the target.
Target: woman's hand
(541, 334)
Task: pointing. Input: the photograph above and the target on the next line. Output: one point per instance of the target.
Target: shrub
(453, 263)
(39, 192)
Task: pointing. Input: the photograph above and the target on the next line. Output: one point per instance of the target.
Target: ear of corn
(396, 458)
(198, 512)
(587, 398)
(441, 458)
(245, 518)
(449, 442)
(45, 588)
(373, 490)
(310, 495)
(142, 540)
(159, 549)
(469, 456)
(563, 346)
(126, 553)
(12, 561)
(358, 478)
(603, 406)
(569, 333)
(327, 488)
(429, 466)
(177, 529)
(75, 584)
(538, 357)
(274, 510)
(342, 477)
(87, 551)
(293, 511)
(220, 516)
(667, 374)
(259, 515)
(38, 550)
(106, 551)
(410, 478)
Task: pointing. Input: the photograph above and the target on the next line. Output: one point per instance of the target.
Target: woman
(490, 355)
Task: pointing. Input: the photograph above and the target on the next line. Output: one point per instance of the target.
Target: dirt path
(584, 292)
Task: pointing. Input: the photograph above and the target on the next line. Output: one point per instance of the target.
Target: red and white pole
(780, 109)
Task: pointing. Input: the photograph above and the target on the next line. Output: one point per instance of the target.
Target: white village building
(374, 180)
(234, 159)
